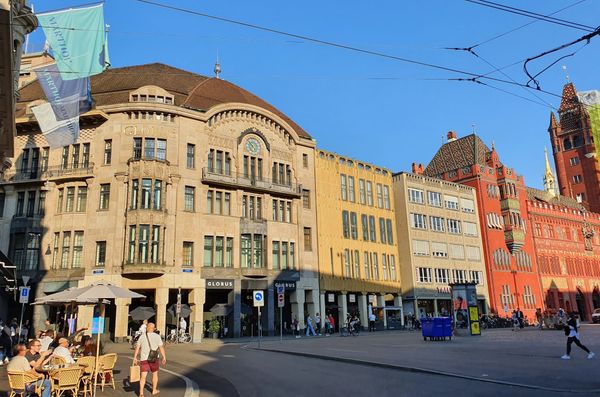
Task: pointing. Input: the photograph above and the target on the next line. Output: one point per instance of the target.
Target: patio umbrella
(100, 291)
(185, 310)
(221, 309)
(142, 313)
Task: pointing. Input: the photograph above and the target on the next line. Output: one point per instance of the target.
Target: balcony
(58, 172)
(143, 269)
(251, 183)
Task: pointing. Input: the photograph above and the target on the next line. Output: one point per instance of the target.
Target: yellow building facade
(357, 240)
(441, 243)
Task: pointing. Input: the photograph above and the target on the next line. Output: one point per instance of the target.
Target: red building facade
(511, 266)
(567, 245)
(574, 152)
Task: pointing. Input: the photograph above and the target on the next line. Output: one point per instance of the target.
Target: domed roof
(191, 90)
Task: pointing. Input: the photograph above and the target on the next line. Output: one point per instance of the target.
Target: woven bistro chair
(19, 381)
(107, 364)
(66, 379)
(87, 364)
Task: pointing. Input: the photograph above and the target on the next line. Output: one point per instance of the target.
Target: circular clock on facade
(253, 146)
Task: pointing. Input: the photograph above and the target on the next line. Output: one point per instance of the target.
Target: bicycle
(183, 337)
(350, 330)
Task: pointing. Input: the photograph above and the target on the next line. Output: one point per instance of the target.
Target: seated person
(89, 347)
(63, 351)
(20, 363)
(46, 340)
(33, 355)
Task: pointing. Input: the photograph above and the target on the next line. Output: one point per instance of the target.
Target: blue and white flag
(77, 38)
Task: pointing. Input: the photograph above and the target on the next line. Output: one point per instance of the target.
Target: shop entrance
(147, 301)
(218, 306)
(331, 307)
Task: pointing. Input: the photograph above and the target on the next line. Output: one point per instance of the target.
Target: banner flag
(591, 100)
(67, 99)
(77, 38)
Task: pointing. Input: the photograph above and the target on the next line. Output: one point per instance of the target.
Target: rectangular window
(45, 158)
(390, 231)
(155, 244)
(574, 160)
(346, 263)
(305, 160)
(65, 158)
(343, 187)
(100, 253)
(382, 233)
(416, 196)
(21, 202)
(459, 276)
(470, 229)
(439, 250)
(208, 251)
(86, 155)
(457, 251)
(436, 223)
(258, 251)
(374, 266)
(25, 160)
(219, 204)
(31, 202)
(107, 151)
(306, 198)
(275, 258)
(418, 221)
(104, 196)
(353, 226)
(386, 197)
(219, 251)
(146, 193)
(227, 205)
(577, 179)
(473, 253)
(143, 243)
(35, 162)
(284, 255)
(229, 252)
(157, 199)
(394, 276)
(75, 158)
(81, 199)
(346, 224)
(434, 198)
(190, 193)
(292, 255)
(41, 208)
(66, 247)
(132, 237)
(351, 196)
(365, 227)
(77, 249)
(451, 202)
(369, 194)
(420, 247)
(476, 276)
(441, 276)
(161, 149)
(424, 274)
(367, 265)
(191, 156)
(188, 254)
(137, 148)
(135, 185)
(149, 148)
(453, 226)
(372, 232)
(356, 265)
(55, 251)
(361, 191)
(467, 205)
(379, 195)
(70, 199)
(209, 201)
(246, 250)
(307, 239)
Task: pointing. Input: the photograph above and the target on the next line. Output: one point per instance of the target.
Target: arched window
(567, 144)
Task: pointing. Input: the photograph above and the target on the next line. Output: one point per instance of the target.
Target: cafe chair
(22, 384)
(66, 380)
(87, 364)
(107, 364)
(57, 360)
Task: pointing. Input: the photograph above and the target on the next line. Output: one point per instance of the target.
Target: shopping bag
(134, 373)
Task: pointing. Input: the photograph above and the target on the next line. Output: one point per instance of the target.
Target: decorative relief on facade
(156, 131)
(253, 118)
(588, 234)
(219, 141)
(281, 155)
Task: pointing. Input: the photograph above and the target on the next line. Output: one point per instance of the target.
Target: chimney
(451, 136)
(418, 169)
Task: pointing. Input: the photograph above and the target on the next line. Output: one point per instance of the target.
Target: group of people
(315, 325)
(518, 319)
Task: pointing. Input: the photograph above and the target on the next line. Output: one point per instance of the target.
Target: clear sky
(378, 110)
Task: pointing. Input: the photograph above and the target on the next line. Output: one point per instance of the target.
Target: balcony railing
(54, 172)
(251, 182)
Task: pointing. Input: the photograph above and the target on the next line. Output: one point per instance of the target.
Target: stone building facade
(512, 272)
(178, 184)
(441, 243)
(358, 241)
(574, 152)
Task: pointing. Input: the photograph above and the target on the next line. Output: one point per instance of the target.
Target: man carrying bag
(148, 347)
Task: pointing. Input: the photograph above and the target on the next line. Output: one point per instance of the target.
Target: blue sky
(370, 108)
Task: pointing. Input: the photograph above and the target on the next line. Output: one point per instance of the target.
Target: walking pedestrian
(318, 324)
(538, 317)
(572, 333)
(515, 320)
(520, 318)
(332, 323)
(147, 347)
(309, 326)
(296, 325)
(372, 322)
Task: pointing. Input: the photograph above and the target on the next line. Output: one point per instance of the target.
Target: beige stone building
(441, 242)
(358, 264)
(178, 183)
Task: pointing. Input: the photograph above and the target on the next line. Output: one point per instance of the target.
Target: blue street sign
(24, 294)
(259, 298)
(280, 289)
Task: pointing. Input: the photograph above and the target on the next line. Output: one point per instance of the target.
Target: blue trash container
(436, 328)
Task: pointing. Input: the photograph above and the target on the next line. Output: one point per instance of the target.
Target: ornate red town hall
(512, 272)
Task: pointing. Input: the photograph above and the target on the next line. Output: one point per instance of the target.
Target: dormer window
(152, 94)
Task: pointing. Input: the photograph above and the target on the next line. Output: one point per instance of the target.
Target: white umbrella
(99, 291)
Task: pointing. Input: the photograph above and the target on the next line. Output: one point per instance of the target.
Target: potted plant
(213, 328)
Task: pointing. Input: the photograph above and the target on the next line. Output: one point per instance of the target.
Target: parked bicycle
(183, 337)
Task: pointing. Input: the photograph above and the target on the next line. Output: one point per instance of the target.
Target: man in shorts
(146, 342)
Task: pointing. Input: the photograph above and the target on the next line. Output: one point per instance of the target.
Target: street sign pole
(22, 299)
(259, 327)
(281, 324)
(259, 301)
(178, 312)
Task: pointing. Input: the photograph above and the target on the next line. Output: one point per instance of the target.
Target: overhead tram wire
(473, 76)
(529, 14)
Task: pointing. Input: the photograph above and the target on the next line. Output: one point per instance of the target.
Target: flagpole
(101, 316)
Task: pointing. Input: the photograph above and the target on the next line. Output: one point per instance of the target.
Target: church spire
(549, 181)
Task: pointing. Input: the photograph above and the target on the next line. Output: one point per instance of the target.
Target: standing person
(332, 323)
(538, 317)
(147, 343)
(572, 333)
(327, 325)
(318, 324)
(515, 320)
(24, 332)
(296, 325)
(372, 318)
(520, 318)
(309, 326)
(182, 325)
